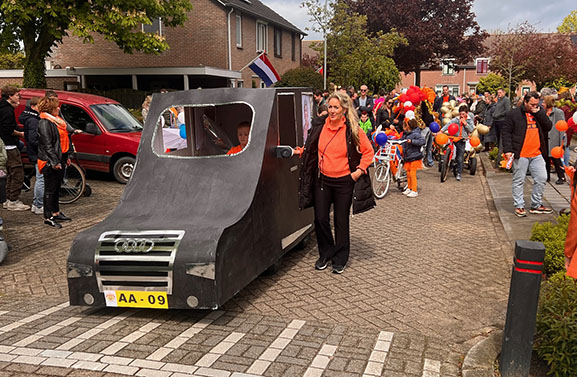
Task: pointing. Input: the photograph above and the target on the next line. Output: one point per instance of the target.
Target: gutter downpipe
(228, 40)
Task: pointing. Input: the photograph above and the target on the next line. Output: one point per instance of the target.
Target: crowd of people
(47, 145)
(524, 131)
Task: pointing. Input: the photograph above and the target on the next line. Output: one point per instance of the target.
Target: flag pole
(252, 61)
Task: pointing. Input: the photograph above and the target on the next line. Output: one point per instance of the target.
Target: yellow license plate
(136, 299)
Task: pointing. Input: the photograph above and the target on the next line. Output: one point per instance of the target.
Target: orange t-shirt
(62, 133)
(234, 150)
(532, 144)
(333, 156)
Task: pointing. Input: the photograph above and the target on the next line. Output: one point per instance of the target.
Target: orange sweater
(333, 158)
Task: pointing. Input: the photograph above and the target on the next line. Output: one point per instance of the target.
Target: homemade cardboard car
(194, 225)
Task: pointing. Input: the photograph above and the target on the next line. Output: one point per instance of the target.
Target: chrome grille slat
(137, 270)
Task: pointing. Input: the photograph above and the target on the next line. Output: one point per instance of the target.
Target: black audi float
(195, 225)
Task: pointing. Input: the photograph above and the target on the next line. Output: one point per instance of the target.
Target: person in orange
(242, 132)
(571, 240)
(524, 138)
(53, 146)
(336, 157)
(412, 155)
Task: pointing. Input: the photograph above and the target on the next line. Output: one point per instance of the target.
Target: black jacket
(29, 119)
(49, 149)
(412, 151)
(515, 128)
(363, 199)
(369, 105)
(8, 123)
(439, 102)
(384, 117)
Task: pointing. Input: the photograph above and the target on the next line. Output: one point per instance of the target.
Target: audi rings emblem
(133, 245)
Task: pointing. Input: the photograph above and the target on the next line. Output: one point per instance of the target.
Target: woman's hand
(567, 263)
(356, 174)
(58, 167)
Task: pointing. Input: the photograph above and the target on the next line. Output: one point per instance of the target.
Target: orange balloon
(561, 126)
(441, 138)
(474, 141)
(557, 152)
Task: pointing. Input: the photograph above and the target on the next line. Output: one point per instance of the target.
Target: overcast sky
(491, 14)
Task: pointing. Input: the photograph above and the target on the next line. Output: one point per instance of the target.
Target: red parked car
(110, 136)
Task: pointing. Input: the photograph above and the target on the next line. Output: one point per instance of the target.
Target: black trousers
(339, 193)
(52, 182)
(558, 168)
(460, 155)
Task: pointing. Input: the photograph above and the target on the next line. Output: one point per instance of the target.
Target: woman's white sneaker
(412, 194)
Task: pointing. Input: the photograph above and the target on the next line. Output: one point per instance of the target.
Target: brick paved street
(426, 277)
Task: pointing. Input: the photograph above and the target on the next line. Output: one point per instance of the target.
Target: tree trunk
(34, 73)
(418, 77)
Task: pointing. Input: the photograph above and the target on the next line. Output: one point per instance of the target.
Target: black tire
(73, 184)
(272, 270)
(122, 169)
(87, 190)
(472, 165)
(303, 243)
(445, 165)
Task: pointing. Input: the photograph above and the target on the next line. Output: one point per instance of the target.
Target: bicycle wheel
(445, 165)
(381, 181)
(73, 184)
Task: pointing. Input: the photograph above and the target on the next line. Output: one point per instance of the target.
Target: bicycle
(448, 160)
(387, 160)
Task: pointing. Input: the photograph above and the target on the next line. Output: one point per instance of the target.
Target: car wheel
(123, 168)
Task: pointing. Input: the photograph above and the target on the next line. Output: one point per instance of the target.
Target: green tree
(356, 57)
(569, 24)
(11, 60)
(301, 77)
(491, 83)
(40, 25)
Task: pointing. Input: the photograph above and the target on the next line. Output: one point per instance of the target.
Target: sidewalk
(556, 197)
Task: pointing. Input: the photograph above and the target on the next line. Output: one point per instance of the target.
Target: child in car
(242, 132)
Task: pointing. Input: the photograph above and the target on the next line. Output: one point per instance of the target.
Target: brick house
(219, 38)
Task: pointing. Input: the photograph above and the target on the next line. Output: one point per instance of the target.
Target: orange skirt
(414, 165)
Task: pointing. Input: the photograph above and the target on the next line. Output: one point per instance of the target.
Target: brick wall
(200, 41)
(242, 56)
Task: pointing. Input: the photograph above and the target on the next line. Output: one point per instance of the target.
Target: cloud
(292, 12)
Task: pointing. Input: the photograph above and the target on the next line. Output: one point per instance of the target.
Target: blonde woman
(334, 166)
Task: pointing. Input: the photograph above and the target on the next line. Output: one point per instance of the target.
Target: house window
(155, 27)
(482, 66)
(278, 42)
(453, 89)
(261, 36)
(293, 47)
(240, 83)
(262, 84)
(238, 31)
(448, 66)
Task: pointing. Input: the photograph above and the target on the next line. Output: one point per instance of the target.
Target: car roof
(71, 97)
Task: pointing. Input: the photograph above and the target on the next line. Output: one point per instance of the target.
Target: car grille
(136, 261)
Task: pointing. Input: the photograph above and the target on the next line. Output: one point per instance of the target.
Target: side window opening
(75, 116)
(200, 131)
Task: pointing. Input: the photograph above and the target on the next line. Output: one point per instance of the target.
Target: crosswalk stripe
(32, 318)
(379, 354)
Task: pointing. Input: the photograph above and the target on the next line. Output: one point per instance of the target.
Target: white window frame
(240, 83)
(159, 31)
(452, 87)
(239, 30)
(447, 67)
(262, 84)
(477, 65)
(264, 25)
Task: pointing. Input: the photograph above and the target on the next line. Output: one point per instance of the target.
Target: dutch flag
(264, 69)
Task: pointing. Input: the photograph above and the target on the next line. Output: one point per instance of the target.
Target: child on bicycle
(466, 124)
(412, 155)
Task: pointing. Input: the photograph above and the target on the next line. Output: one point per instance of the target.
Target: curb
(480, 360)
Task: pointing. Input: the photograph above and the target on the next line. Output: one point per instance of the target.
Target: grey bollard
(522, 309)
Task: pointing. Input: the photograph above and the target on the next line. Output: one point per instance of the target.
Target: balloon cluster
(410, 98)
(449, 110)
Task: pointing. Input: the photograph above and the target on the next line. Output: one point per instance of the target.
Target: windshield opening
(116, 118)
(197, 131)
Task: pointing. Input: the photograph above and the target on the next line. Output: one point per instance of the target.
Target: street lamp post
(325, 53)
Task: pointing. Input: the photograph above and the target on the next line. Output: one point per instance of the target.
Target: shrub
(553, 237)
(556, 335)
(493, 153)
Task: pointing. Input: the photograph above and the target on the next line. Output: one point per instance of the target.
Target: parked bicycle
(388, 163)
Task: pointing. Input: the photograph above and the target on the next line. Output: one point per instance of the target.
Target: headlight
(76, 270)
